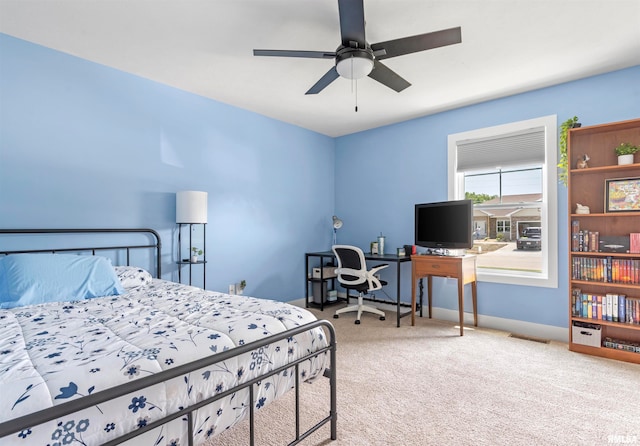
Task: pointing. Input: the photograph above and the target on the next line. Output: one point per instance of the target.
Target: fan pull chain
(354, 86)
(356, 95)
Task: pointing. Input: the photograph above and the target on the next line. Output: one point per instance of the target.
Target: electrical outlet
(232, 288)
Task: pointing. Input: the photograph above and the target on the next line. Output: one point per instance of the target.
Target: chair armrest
(375, 269)
(374, 282)
(360, 276)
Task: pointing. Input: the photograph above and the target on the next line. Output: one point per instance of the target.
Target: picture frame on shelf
(622, 195)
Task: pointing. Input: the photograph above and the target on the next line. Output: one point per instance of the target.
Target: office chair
(353, 275)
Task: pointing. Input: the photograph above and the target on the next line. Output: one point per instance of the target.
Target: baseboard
(531, 329)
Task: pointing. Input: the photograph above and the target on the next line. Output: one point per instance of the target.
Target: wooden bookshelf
(587, 187)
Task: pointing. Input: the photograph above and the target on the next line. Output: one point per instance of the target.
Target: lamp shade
(191, 207)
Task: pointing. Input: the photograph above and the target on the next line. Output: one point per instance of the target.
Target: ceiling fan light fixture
(354, 67)
(354, 63)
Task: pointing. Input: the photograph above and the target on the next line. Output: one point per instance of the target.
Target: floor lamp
(191, 209)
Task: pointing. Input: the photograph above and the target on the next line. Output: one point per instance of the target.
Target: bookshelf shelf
(591, 332)
(608, 323)
(611, 285)
(604, 352)
(620, 255)
(606, 169)
(617, 214)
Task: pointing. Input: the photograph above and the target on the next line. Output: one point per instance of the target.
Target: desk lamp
(337, 224)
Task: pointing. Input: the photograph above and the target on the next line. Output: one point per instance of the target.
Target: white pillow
(133, 276)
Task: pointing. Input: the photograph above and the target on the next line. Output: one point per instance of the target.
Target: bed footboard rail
(18, 424)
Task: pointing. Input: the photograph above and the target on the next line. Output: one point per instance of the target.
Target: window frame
(549, 205)
(503, 222)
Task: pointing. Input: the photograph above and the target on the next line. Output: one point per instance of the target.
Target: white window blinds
(518, 148)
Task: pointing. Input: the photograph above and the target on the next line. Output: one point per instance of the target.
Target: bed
(138, 359)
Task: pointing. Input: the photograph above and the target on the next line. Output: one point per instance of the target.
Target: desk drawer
(442, 268)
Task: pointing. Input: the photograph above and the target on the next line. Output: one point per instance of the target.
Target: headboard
(76, 240)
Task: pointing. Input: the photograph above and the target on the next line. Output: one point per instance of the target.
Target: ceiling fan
(356, 58)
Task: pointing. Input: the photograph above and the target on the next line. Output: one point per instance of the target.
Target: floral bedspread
(55, 352)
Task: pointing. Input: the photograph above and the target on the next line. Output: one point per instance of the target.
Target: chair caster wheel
(381, 318)
(336, 316)
(357, 321)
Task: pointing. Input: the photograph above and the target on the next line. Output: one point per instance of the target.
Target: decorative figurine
(580, 209)
(582, 162)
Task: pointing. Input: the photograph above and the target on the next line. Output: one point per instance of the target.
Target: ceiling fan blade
(294, 53)
(421, 42)
(352, 22)
(325, 80)
(388, 77)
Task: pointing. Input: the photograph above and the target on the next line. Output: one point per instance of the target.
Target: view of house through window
(506, 218)
(509, 172)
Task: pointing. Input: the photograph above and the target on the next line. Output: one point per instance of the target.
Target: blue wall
(382, 173)
(83, 145)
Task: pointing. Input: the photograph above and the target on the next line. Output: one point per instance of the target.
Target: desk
(461, 268)
(385, 258)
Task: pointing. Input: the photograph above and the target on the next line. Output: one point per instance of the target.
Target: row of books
(634, 242)
(606, 269)
(606, 307)
(619, 344)
(585, 241)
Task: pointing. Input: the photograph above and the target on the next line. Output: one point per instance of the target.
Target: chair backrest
(352, 266)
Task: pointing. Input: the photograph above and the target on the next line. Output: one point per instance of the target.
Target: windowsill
(522, 278)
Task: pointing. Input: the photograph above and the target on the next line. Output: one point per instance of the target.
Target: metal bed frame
(18, 424)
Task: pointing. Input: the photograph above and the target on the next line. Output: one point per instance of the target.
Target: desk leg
(398, 294)
(429, 293)
(413, 299)
(461, 304)
(421, 296)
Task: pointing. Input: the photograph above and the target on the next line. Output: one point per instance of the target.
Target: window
(504, 227)
(510, 173)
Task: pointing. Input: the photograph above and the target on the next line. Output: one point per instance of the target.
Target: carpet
(426, 385)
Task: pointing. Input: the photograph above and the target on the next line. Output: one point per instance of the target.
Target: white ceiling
(205, 47)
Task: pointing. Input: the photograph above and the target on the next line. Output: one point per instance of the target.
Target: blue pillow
(29, 279)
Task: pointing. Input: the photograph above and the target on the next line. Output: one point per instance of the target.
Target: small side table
(461, 268)
(182, 261)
